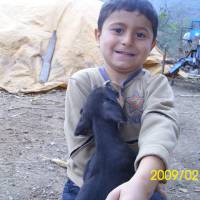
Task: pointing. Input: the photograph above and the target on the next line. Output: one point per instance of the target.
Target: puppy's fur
(113, 161)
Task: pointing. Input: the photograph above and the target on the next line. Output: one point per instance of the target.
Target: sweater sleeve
(159, 128)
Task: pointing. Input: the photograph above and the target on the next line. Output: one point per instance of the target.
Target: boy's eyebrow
(117, 23)
(143, 28)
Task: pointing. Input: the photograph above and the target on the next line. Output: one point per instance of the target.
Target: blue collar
(105, 76)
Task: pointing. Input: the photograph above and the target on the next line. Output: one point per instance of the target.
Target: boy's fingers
(114, 194)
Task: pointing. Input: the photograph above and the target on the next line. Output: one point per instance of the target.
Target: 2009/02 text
(173, 174)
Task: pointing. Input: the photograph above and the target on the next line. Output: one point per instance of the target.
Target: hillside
(179, 16)
(180, 11)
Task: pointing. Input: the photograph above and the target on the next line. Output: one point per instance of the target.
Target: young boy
(126, 34)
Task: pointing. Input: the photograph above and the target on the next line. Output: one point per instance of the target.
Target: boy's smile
(126, 40)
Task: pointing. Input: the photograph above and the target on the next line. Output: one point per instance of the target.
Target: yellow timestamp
(173, 174)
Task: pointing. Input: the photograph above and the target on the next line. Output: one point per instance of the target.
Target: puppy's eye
(113, 101)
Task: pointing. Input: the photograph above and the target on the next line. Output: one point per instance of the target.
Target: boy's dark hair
(142, 6)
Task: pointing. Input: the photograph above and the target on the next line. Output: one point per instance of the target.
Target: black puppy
(113, 161)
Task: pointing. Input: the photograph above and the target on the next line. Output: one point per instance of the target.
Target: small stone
(183, 190)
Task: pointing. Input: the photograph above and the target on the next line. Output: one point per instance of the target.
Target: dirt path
(187, 152)
(31, 128)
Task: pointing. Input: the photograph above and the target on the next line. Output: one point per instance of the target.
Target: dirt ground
(31, 131)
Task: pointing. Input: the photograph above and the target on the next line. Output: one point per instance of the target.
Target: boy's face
(125, 40)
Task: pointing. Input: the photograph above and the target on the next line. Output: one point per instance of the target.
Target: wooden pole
(164, 59)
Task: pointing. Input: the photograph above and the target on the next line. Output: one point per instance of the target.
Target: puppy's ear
(106, 83)
(84, 125)
(111, 90)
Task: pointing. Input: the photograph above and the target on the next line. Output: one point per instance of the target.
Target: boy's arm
(158, 137)
(159, 126)
(147, 164)
(76, 94)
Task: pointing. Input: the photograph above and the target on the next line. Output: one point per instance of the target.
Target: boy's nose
(127, 40)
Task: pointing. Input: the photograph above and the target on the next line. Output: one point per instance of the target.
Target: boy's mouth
(124, 53)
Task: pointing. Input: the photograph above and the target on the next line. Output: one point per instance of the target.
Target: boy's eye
(140, 35)
(117, 30)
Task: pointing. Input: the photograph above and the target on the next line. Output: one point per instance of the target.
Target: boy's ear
(97, 34)
(153, 44)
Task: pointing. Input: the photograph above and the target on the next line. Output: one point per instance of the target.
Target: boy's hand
(132, 190)
(139, 186)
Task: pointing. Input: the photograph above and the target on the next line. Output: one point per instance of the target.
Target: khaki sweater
(149, 106)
